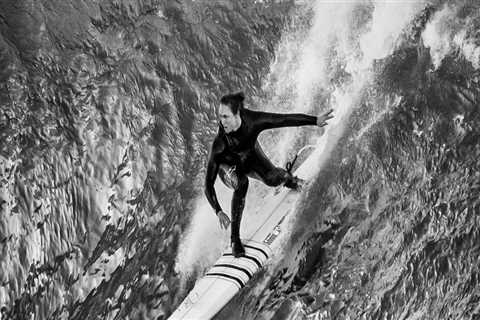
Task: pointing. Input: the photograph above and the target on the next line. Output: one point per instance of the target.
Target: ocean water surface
(107, 112)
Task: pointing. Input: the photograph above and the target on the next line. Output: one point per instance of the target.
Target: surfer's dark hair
(234, 101)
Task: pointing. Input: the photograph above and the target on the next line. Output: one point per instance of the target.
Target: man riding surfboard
(236, 155)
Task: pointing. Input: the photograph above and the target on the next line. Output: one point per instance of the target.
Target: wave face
(390, 227)
(108, 111)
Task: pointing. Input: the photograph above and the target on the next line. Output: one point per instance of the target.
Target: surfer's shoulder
(218, 144)
(249, 116)
(248, 113)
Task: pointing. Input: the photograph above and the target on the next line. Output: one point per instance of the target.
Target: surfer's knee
(276, 177)
(229, 176)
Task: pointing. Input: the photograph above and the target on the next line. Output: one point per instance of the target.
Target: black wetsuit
(237, 154)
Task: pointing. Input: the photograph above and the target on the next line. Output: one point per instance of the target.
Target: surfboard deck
(229, 274)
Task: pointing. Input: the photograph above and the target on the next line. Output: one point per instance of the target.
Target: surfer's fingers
(323, 124)
(224, 222)
(223, 225)
(328, 113)
(220, 221)
(324, 117)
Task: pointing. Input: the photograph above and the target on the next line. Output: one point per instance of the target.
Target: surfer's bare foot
(295, 184)
(301, 184)
(237, 249)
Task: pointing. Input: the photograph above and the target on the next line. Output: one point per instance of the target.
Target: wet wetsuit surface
(240, 150)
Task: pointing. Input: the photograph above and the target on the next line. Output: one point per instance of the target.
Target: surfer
(236, 155)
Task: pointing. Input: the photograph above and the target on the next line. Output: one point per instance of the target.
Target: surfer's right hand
(223, 219)
(322, 119)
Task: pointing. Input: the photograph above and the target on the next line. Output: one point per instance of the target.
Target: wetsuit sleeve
(267, 120)
(211, 176)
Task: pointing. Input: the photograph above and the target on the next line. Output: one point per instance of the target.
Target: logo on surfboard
(272, 235)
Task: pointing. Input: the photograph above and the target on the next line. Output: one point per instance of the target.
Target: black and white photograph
(239, 159)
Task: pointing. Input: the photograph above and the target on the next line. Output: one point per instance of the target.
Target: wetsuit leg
(236, 180)
(260, 167)
(238, 204)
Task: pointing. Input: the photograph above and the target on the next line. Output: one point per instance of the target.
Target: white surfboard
(229, 274)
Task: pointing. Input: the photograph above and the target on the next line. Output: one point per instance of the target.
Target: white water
(446, 32)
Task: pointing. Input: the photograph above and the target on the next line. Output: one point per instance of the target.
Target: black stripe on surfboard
(261, 250)
(218, 274)
(247, 257)
(226, 265)
(262, 244)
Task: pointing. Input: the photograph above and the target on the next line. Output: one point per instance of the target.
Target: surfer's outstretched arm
(268, 120)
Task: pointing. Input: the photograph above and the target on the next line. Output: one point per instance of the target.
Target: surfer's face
(230, 121)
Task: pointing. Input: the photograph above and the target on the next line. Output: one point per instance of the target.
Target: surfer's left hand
(223, 219)
(322, 119)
